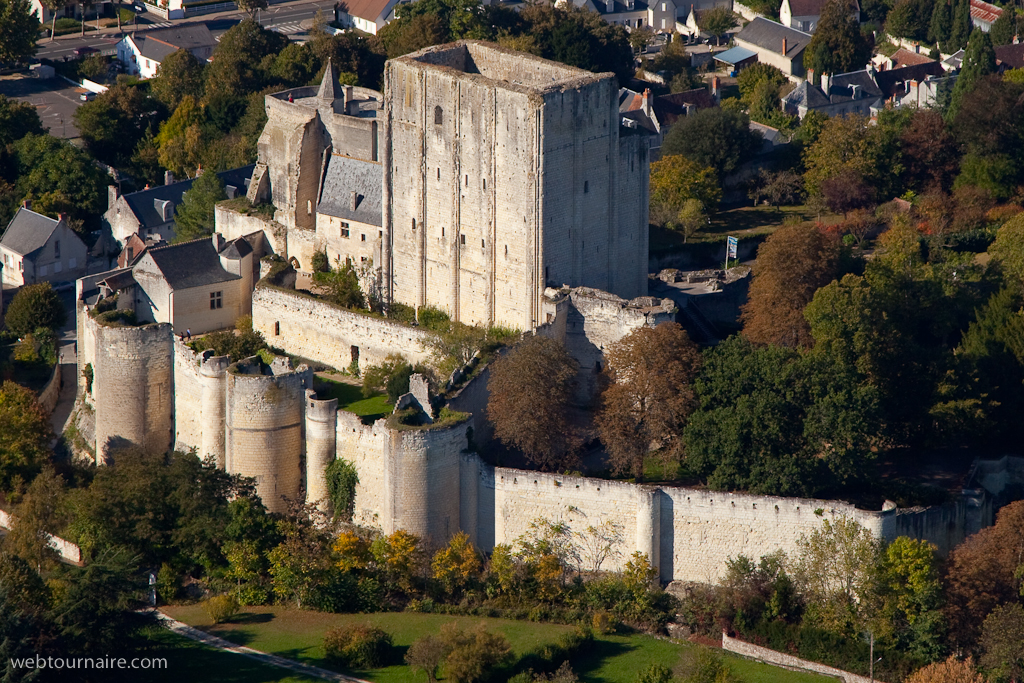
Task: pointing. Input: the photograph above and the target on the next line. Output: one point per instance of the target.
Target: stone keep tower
(505, 172)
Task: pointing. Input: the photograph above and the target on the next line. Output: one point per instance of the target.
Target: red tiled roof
(904, 57)
(983, 11)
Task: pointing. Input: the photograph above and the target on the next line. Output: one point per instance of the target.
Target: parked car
(84, 51)
(87, 96)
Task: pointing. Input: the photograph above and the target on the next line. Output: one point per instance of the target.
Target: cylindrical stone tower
(648, 524)
(264, 423)
(133, 365)
(212, 380)
(321, 447)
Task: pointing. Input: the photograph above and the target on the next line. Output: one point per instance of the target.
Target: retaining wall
(68, 551)
(763, 654)
(51, 392)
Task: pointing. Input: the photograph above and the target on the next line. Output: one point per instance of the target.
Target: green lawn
(297, 634)
(188, 660)
(350, 398)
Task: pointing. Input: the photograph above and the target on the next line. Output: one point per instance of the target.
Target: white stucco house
(142, 53)
(36, 248)
(803, 15)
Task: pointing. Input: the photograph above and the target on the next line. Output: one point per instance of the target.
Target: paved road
(284, 17)
(55, 101)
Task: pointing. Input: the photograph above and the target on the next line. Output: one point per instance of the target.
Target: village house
(781, 46)
(804, 15)
(367, 15)
(198, 286)
(149, 213)
(838, 95)
(984, 14)
(142, 53)
(36, 248)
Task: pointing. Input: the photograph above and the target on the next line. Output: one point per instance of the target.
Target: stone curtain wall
(188, 398)
(689, 533)
(51, 392)
(763, 654)
(365, 446)
(324, 333)
(68, 551)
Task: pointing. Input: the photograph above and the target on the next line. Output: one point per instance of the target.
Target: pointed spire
(329, 86)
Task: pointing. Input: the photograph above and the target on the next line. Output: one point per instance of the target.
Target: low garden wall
(763, 654)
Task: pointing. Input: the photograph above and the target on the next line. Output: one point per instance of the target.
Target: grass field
(188, 660)
(350, 398)
(298, 634)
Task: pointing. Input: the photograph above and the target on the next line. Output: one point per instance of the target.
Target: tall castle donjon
(505, 173)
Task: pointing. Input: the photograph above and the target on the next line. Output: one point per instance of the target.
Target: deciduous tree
(982, 574)
(114, 123)
(676, 179)
(792, 264)
(717, 21)
(33, 307)
(41, 513)
(1002, 643)
(715, 137)
(930, 155)
(845, 192)
(952, 670)
(650, 395)
(456, 565)
(180, 74)
(838, 46)
(194, 217)
(59, 177)
(24, 434)
(18, 30)
(836, 570)
(531, 389)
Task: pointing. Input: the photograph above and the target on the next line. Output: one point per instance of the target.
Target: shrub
(35, 306)
(88, 373)
(221, 608)
(402, 313)
(655, 673)
(168, 584)
(434, 319)
(603, 622)
(358, 646)
(320, 262)
(117, 318)
(27, 350)
(341, 487)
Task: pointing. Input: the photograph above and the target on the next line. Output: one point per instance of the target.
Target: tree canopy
(715, 137)
(18, 30)
(194, 217)
(838, 46)
(531, 389)
(24, 435)
(33, 307)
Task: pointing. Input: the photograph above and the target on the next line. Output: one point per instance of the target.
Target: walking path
(205, 638)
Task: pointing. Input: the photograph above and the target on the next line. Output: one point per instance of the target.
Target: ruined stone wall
(133, 367)
(302, 243)
(321, 446)
(264, 429)
(316, 330)
(232, 225)
(291, 145)
(365, 446)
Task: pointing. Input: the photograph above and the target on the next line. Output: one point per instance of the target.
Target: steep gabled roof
(157, 45)
(370, 10)
(985, 12)
(904, 57)
(668, 108)
(893, 82)
(344, 176)
(806, 95)
(843, 86)
(1011, 56)
(141, 203)
(768, 35)
(190, 264)
(28, 232)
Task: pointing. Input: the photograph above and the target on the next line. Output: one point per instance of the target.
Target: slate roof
(983, 11)
(190, 264)
(28, 232)
(344, 176)
(893, 82)
(841, 87)
(806, 95)
(955, 60)
(156, 45)
(121, 279)
(642, 120)
(1011, 56)
(768, 35)
(141, 203)
(668, 108)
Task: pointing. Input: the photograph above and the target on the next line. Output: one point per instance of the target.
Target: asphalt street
(55, 101)
(284, 17)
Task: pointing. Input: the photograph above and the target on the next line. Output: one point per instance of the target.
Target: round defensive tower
(212, 383)
(422, 481)
(134, 367)
(321, 446)
(263, 426)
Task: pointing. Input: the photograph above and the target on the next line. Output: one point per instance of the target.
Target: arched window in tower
(438, 116)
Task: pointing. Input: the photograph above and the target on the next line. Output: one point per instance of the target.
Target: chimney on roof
(27, 204)
(826, 84)
(355, 200)
(810, 77)
(785, 44)
(647, 102)
(716, 89)
(218, 241)
(347, 91)
(168, 178)
(62, 217)
(113, 192)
